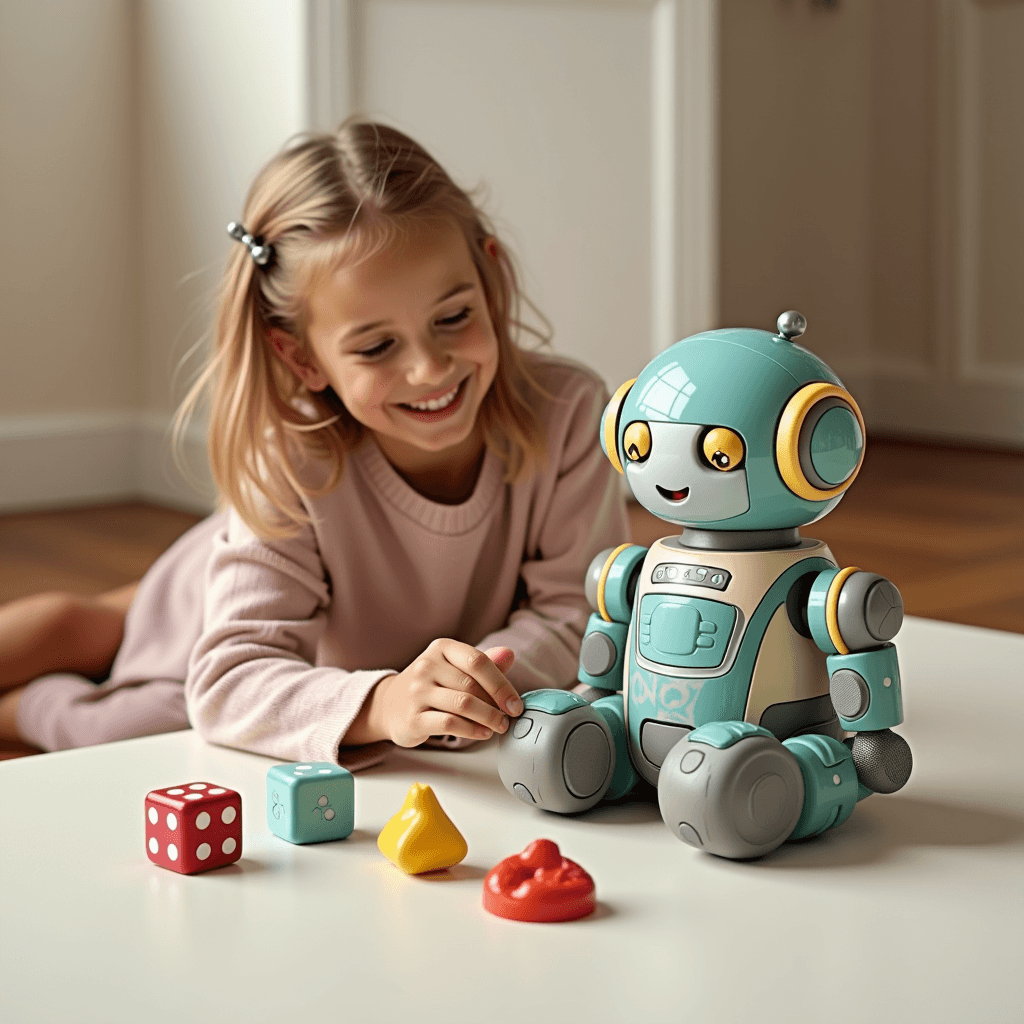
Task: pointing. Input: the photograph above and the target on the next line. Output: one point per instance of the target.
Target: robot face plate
(672, 480)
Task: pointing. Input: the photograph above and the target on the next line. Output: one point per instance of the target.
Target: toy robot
(729, 661)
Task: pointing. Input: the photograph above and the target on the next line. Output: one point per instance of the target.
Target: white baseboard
(89, 458)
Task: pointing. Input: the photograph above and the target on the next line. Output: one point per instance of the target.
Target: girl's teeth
(435, 403)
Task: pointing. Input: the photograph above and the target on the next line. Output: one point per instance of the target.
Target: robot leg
(565, 755)
(831, 786)
(732, 789)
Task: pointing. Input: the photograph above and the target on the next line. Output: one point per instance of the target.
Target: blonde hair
(326, 200)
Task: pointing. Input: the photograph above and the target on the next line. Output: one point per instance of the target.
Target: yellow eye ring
(636, 441)
(723, 448)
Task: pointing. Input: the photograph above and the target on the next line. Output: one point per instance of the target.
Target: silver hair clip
(261, 254)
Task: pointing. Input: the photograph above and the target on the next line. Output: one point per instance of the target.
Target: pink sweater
(295, 634)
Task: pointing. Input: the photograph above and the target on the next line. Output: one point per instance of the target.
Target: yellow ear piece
(819, 446)
(610, 423)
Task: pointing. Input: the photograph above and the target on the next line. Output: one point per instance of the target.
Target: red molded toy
(193, 827)
(539, 884)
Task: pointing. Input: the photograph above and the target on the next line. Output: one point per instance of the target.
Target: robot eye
(637, 441)
(723, 448)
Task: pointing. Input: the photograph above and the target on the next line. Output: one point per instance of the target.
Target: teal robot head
(736, 429)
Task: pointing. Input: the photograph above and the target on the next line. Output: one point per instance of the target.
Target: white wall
(69, 359)
(221, 86)
(131, 130)
(870, 176)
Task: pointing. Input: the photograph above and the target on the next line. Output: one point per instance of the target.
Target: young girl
(413, 500)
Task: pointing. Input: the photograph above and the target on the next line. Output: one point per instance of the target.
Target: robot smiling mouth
(673, 495)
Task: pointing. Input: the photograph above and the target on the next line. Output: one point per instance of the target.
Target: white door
(871, 175)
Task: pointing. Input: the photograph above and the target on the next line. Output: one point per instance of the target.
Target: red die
(193, 827)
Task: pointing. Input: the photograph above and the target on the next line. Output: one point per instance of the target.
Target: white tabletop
(913, 910)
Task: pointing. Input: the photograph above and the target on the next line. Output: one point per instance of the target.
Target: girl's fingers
(441, 723)
(480, 669)
(466, 705)
(502, 657)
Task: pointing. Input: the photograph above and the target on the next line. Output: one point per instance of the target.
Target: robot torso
(711, 639)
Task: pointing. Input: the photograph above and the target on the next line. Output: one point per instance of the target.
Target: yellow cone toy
(421, 837)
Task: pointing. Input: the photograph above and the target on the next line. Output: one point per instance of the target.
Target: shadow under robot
(729, 661)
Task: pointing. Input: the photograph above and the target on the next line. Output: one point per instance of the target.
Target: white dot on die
(325, 771)
(198, 785)
(303, 767)
(153, 815)
(228, 846)
(887, 681)
(203, 851)
(202, 819)
(836, 779)
(227, 815)
(175, 792)
(193, 796)
(172, 821)
(172, 851)
(323, 801)
(329, 814)
(154, 846)
(214, 792)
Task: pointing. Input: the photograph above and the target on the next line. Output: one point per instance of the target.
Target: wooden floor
(84, 550)
(945, 524)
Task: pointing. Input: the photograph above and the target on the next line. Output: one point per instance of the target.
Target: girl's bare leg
(59, 632)
(56, 632)
(9, 715)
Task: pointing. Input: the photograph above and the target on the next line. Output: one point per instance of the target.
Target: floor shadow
(448, 763)
(633, 810)
(243, 866)
(457, 873)
(883, 827)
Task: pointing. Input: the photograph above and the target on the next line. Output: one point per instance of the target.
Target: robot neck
(739, 540)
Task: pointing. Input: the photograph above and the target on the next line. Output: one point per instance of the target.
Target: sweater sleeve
(252, 679)
(578, 510)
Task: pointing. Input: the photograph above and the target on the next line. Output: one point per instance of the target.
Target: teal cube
(310, 801)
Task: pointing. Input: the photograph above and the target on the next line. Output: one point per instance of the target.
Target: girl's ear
(298, 358)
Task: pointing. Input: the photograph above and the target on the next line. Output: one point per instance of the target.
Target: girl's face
(406, 341)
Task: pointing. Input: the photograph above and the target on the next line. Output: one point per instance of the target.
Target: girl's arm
(253, 683)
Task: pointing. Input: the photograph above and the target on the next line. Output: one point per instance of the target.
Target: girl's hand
(450, 689)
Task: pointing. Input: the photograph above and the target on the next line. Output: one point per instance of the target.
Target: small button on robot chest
(691, 575)
(687, 632)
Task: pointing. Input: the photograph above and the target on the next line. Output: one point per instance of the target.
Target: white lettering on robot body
(672, 698)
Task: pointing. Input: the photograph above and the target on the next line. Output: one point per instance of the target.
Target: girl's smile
(431, 409)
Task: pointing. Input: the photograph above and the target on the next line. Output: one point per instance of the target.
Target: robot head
(736, 429)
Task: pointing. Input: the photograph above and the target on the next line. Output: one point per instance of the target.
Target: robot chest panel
(692, 607)
(684, 631)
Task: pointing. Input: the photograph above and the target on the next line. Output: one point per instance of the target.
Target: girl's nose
(429, 362)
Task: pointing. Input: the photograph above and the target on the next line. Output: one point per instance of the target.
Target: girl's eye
(377, 350)
(455, 319)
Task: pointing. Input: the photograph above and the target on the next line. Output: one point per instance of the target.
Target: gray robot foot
(731, 789)
(883, 760)
(559, 754)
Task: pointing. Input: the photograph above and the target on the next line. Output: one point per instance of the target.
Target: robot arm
(610, 587)
(852, 615)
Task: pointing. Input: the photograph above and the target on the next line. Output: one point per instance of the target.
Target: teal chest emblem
(686, 632)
